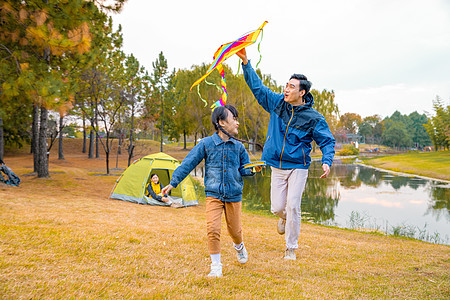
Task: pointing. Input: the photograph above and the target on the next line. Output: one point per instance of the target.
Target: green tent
(132, 183)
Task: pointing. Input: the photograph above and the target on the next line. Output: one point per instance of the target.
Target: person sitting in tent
(154, 191)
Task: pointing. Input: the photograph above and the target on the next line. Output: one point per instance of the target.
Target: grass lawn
(63, 237)
(430, 164)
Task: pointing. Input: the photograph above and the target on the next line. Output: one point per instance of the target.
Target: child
(154, 191)
(224, 160)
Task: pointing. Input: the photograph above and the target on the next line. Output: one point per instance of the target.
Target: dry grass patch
(63, 238)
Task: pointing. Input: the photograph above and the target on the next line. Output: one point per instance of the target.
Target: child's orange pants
(214, 208)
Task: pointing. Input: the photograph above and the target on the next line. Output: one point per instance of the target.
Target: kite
(224, 52)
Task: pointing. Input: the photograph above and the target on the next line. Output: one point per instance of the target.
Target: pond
(359, 197)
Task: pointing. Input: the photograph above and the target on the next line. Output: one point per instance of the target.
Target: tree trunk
(97, 146)
(162, 121)
(42, 168)
(195, 139)
(2, 144)
(107, 162)
(84, 134)
(91, 144)
(131, 147)
(108, 149)
(119, 149)
(184, 136)
(117, 156)
(60, 146)
(130, 154)
(35, 137)
(162, 133)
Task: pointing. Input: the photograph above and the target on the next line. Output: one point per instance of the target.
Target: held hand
(242, 55)
(166, 189)
(257, 169)
(326, 170)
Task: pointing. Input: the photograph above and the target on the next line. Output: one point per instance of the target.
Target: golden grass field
(63, 238)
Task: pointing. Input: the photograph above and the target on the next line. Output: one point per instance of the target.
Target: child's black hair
(221, 113)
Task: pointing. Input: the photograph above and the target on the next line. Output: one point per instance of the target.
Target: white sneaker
(216, 270)
(242, 255)
(281, 226)
(290, 254)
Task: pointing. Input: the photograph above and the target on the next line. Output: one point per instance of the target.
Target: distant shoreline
(403, 174)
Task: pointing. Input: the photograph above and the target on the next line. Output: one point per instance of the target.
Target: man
(293, 125)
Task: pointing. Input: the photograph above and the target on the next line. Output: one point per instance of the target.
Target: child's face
(230, 124)
(155, 179)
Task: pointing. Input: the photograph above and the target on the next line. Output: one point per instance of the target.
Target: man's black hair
(305, 84)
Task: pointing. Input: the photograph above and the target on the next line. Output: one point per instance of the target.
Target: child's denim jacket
(224, 167)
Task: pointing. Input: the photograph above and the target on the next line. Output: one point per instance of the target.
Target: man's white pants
(286, 189)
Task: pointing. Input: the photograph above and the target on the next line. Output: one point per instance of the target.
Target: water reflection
(355, 194)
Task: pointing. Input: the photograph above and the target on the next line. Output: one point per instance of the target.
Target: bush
(348, 150)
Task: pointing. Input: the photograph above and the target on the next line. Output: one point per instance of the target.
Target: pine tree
(38, 39)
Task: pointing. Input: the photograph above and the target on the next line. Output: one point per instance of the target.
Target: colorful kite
(225, 51)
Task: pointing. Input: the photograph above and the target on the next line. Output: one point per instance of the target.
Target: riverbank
(63, 237)
(427, 164)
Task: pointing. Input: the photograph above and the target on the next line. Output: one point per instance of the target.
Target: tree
(38, 39)
(370, 127)
(420, 137)
(396, 135)
(159, 80)
(350, 122)
(39, 33)
(366, 131)
(324, 103)
(185, 107)
(136, 90)
(103, 87)
(438, 126)
(415, 129)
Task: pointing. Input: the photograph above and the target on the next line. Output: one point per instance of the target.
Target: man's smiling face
(292, 93)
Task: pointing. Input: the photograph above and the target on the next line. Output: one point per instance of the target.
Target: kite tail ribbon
(200, 95)
(222, 101)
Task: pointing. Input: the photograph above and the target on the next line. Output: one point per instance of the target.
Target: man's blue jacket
(291, 128)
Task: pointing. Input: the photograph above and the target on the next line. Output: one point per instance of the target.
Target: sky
(378, 56)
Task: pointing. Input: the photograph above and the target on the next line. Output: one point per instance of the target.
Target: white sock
(215, 258)
(238, 247)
